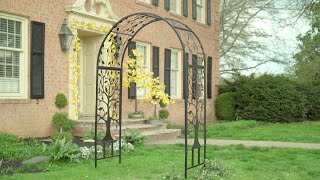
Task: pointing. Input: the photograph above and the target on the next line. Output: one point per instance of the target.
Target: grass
(152, 162)
(253, 130)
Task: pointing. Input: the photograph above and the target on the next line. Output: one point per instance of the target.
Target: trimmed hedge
(225, 106)
(274, 98)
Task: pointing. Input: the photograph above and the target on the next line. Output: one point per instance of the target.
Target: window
(200, 74)
(143, 49)
(175, 6)
(200, 11)
(175, 74)
(145, 1)
(13, 40)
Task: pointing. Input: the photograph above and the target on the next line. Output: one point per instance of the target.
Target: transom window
(143, 49)
(175, 74)
(12, 56)
(175, 6)
(200, 11)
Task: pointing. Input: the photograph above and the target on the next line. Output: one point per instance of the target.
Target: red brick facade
(29, 117)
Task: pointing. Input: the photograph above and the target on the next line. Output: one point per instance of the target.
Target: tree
(156, 89)
(249, 32)
(308, 57)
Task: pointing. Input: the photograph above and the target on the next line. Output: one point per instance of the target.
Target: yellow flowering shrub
(156, 89)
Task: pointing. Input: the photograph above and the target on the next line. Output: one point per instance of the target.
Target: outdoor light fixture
(65, 36)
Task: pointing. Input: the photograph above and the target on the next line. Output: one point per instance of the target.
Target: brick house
(33, 68)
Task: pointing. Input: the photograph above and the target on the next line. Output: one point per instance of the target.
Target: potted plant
(63, 126)
(163, 113)
(137, 114)
(155, 120)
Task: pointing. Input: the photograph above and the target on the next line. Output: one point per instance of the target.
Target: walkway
(220, 142)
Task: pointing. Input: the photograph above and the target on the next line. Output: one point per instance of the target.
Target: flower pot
(136, 116)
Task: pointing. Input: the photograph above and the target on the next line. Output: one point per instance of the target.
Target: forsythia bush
(156, 89)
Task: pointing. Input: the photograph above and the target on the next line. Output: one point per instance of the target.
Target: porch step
(84, 127)
(154, 132)
(163, 134)
(123, 122)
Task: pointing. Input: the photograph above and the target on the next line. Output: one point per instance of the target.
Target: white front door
(90, 48)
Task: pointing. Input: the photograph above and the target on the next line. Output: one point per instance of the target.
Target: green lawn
(252, 130)
(152, 162)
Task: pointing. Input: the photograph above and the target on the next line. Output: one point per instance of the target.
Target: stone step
(82, 128)
(163, 134)
(123, 122)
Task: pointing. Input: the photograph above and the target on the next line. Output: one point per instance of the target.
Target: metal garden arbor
(109, 84)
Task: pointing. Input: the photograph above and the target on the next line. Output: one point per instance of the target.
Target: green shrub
(134, 137)
(62, 135)
(273, 98)
(163, 114)
(61, 149)
(90, 135)
(137, 113)
(61, 101)
(269, 98)
(162, 105)
(226, 106)
(61, 122)
(312, 94)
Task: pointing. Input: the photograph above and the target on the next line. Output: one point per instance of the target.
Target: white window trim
(178, 7)
(179, 76)
(203, 12)
(23, 61)
(147, 57)
(145, 1)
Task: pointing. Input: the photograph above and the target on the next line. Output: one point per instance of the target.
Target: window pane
(15, 71)
(2, 58)
(16, 58)
(11, 40)
(143, 51)
(3, 25)
(3, 39)
(10, 26)
(174, 60)
(2, 71)
(18, 41)
(8, 57)
(9, 85)
(173, 83)
(173, 5)
(18, 27)
(8, 71)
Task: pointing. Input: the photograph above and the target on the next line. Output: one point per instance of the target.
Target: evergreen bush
(61, 101)
(225, 106)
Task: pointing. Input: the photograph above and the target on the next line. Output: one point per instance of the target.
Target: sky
(289, 44)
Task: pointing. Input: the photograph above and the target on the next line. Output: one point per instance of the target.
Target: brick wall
(28, 117)
(31, 117)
